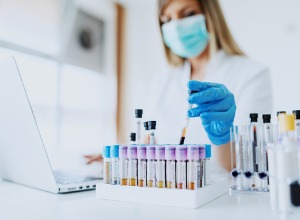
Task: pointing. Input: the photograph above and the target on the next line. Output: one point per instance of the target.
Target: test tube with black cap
(297, 123)
(254, 150)
(267, 139)
(152, 128)
(132, 138)
(138, 117)
(147, 132)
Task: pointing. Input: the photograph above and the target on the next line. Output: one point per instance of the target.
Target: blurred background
(87, 64)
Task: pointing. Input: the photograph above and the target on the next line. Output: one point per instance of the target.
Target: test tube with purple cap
(193, 167)
(142, 166)
(132, 165)
(170, 155)
(151, 166)
(181, 168)
(160, 166)
(123, 165)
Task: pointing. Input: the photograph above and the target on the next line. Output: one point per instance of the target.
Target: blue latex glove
(215, 106)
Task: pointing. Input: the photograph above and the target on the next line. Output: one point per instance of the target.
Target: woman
(205, 59)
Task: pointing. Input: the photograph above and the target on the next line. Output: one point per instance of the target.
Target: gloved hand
(215, 106)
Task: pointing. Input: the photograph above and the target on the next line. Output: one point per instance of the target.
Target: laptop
(23, 157)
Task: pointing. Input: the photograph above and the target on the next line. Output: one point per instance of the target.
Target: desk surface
(20, 202)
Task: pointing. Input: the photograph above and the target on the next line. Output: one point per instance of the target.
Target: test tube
(132, 138)
(254, 133)
(235, 162)
(267, 139)
(193, 167)
(106, 165)
(123, 165)
(287, 161)
(171, 166)
(160, 166)
(114, 154)
(151, 166)
(147, 132)
(138, 117)
(132, 165)
(297, 123)
(207, 165)
(152, 127)
(142, 166)
(181, 167)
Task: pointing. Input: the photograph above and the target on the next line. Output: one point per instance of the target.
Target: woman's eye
(165, 20)
(189, 14)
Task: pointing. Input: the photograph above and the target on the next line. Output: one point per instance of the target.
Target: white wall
(268, 31)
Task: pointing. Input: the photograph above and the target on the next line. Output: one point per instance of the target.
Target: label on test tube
(132, 165)
(123, 165)
(114, 154)
(171, 167)
(151, 166)
(142, 166)
(181, 169)
(160, 167)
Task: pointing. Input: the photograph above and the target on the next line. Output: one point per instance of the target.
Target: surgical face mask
(187, 37)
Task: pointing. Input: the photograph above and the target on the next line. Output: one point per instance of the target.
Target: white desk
(19, 202)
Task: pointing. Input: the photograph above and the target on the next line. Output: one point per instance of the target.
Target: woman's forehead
(171, 5)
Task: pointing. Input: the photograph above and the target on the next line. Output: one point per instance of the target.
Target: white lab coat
(248, 80)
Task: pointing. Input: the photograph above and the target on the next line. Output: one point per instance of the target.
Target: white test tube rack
(166, 197)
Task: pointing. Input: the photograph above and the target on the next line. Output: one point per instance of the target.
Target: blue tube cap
(207, 150)
(106, 152)
(114, 151)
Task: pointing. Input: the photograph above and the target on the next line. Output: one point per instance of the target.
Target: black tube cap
(281, 112)
(132, 136)
(146, 125)
(253, 117)
(266, 118)
(139, 113)
(151, 125)
(295, 193)
(297, 114)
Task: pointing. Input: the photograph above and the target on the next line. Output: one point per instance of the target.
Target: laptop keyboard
(66, 178)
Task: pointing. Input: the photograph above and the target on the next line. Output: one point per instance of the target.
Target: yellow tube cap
(286, 122)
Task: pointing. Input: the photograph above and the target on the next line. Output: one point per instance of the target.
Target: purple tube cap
(150, 152)
(170, 152)
(160, 152)
(132, 152)
(193, 152)
(202, 153)
(181, 152)
(123, 152)
(141, 152)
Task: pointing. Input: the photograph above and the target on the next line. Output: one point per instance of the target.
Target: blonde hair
(220, 35)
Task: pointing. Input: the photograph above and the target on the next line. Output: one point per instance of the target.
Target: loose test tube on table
(142, 166)
(194, 177)
(160, 166)
(138, 117)
(123, 165)
(181, 166)
(106, 165)
(171, 166)
(132, 165)
(114, 154)
(152, 128)
(207, 165)
(151, 166)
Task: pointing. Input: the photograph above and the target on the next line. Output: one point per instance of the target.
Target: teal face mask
(187, 37)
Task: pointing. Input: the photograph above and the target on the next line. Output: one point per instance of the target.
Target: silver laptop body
(23, 157)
